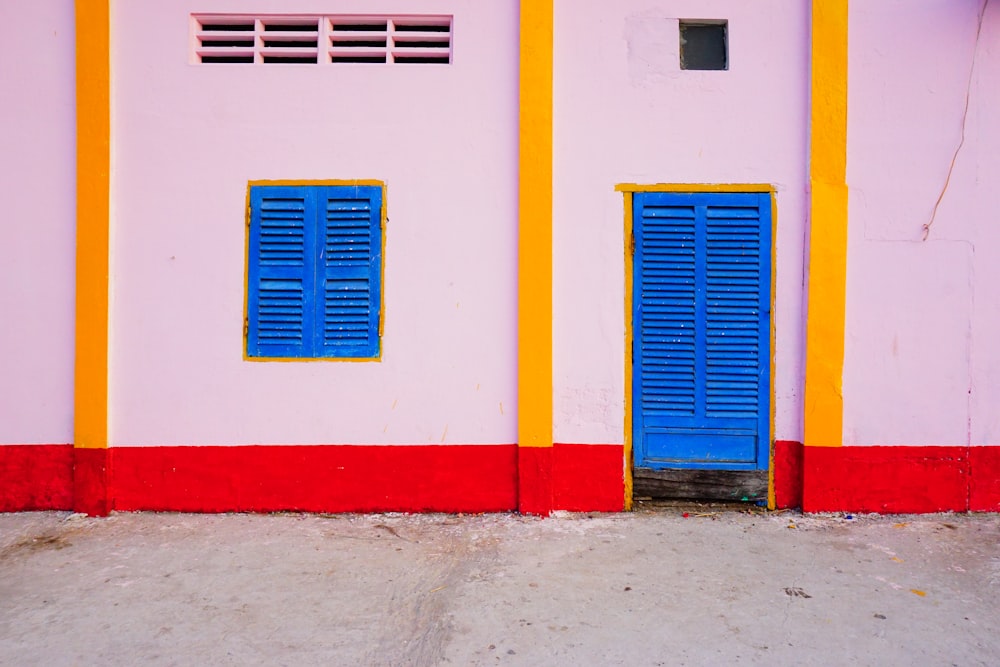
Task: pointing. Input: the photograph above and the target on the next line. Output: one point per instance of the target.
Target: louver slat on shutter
(282, 272)
(349, 270)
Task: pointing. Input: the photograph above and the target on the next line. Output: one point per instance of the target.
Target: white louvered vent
(321, 39)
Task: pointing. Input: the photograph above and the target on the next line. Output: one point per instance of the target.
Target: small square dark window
(704, 45)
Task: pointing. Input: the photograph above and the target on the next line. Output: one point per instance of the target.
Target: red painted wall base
(588, 478)
(984, 479)
(464, 478)
(91, 477)
(901, 479)
(534, 480)
(36, 477)
(787, 474)
(325, 478)
(576, 478)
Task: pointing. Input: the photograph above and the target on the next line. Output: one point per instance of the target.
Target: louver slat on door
(351, 262)
(281, 251)
(701, 313)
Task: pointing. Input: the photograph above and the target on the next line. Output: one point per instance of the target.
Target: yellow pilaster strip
(93, 130)
(534, 338)
(824, 403)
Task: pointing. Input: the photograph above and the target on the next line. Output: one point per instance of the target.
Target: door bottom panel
(687, 448)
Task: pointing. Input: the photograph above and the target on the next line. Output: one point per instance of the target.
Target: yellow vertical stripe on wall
(824, 402)
(534, 338)
(92, 210)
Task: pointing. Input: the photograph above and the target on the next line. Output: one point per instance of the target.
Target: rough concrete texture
(647, 588)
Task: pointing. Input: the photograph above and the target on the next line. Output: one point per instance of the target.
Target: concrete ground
(717, 587)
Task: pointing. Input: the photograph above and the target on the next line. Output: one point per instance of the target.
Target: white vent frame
(311, 39)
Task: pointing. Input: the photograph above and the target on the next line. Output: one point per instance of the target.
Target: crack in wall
(965, 118)
(971, 344)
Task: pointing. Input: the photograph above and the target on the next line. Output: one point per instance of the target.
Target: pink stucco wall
(922, 360)
(625, 112)
(923, 316)
(37, 238)
(187, 138)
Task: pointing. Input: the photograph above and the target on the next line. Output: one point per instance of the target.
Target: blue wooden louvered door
(315, 263)
(701, 323)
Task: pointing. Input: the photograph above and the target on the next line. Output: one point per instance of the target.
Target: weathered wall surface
(922, 363)
(37, 238)
(188, 137)
(625, 112)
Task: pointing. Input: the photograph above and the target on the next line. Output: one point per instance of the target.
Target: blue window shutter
(349, 269)
(281, 272)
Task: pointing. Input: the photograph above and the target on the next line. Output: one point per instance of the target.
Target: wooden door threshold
(688, 484)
